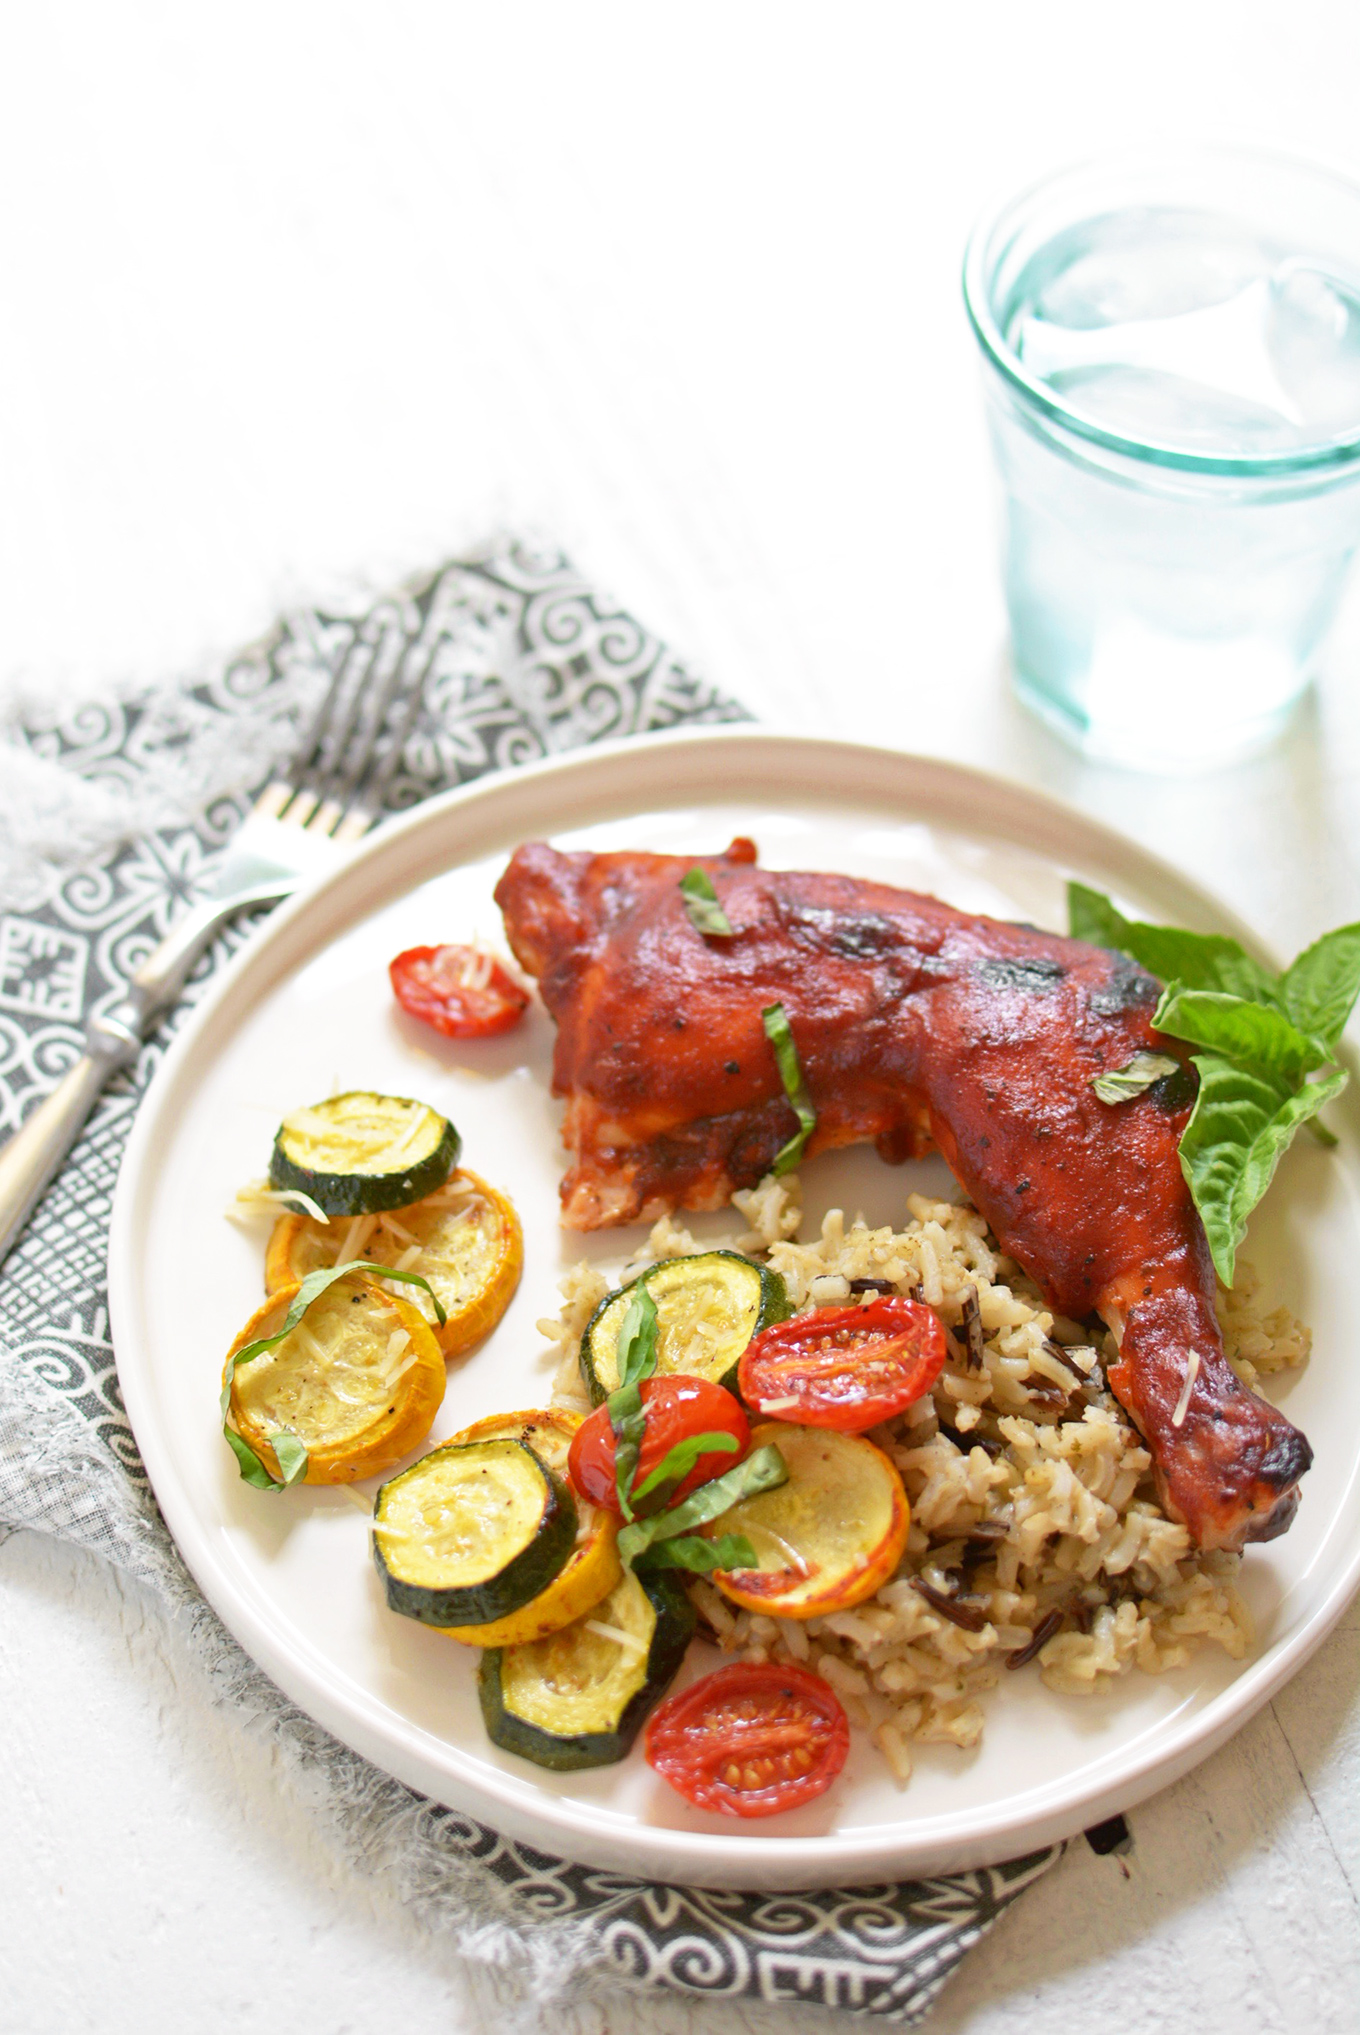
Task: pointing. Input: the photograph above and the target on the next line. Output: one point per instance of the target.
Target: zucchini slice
(358, 1382)
(707, 1309)
(579, 1697)
(471, 1532)
(829, 1537)
(464, 1238)
(591, 1569)
(359, 1152)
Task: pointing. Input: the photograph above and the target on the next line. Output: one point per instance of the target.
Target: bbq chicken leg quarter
(916, 1025)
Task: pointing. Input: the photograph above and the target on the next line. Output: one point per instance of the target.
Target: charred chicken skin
(917, 1026)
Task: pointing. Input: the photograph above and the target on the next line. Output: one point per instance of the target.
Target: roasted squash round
(591, 1569)
(707, 1309)
(358, 1382)
(361, 1151)
(465, 1238)
(579, 1697)
(829, 1537)
(472, 1532)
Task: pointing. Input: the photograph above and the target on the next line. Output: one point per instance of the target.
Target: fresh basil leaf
(1261, 1037)
(1091, 917)
(1121, 1084)
(1319, 988)
(779, 1032)
(706, 915)
(1200, 961)
(312, 1287)
(1241, 1124)
(676, 1465)
(763, 1470)
(1254, 1034)
(1195, 960)
(702, 1557)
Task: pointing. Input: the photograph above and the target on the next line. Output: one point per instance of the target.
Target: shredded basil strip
(779, 1032)
(763, 1470)
(291, 1454)
(1120, 1084)
(627, 1414)
(253, 1470)
(706, 915)
(662, 1483)
(690, 1551)
(637, 1338)
(1262, 1037)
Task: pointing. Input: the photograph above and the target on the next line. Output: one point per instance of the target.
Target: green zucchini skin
(569, 1753)
(774, 1306)
(502, 1590)
(366, 1193)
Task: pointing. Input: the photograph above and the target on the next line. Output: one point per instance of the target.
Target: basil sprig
(627, 1414)
(290, 1453)
(1263, 1037)
(706, 915)
(763, 1470)
(779, 1032)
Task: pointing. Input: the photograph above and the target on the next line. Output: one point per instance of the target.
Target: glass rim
(1324, 455)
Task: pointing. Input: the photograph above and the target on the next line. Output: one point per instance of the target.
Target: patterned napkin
(113, 815)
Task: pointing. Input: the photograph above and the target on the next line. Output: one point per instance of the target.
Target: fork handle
(164, 972)
(38, 1147)
(112, 1040)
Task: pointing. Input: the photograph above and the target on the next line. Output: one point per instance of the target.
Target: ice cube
(1313, 333)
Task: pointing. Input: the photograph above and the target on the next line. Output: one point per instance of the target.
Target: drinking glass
(1171, 350)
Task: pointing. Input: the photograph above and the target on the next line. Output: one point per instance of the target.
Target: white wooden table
(295, 293)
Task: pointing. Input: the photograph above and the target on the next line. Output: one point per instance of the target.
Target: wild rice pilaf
(1034, 1517)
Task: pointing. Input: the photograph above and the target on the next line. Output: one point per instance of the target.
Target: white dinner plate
(307, 1008)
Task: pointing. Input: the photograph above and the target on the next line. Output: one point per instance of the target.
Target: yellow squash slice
(358, 1382)
(592, 1569)
(829, 1537)
(464, 1238)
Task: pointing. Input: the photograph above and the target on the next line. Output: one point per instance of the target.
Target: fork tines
(339, 777)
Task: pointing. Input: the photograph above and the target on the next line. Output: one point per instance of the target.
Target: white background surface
(295, 294)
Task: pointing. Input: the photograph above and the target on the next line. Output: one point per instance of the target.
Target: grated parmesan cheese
(796, 1561)
(258, 1198)
(356, 1236)
(1183, 1403)
(627, 1640)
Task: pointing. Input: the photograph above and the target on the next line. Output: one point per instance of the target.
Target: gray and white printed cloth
(113, 814)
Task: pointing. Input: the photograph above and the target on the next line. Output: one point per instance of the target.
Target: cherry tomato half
(461, 991)
(750, 1740)
(676, 1407)
(845, 1367)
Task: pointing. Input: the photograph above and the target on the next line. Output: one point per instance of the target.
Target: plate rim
(971, 1838)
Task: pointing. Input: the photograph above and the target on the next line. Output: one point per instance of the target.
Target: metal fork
(305, 817)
